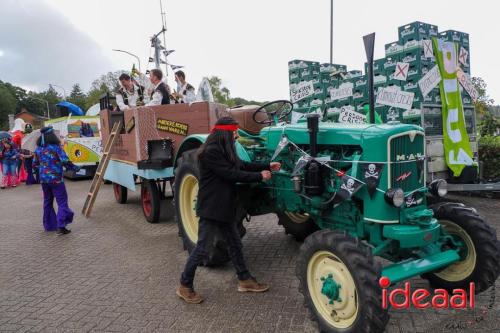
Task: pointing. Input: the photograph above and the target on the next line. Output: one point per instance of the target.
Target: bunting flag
(168, 52)
(151, 59)
(174, 67)
(348, 187)
(413, 200)
(148, 71)
(163, 61)
(281, 145)
(372, 173)
(301, 163)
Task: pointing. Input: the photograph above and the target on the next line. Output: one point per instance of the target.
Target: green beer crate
(390, 63)
(416, 31)
(393, 48)
(353, 74)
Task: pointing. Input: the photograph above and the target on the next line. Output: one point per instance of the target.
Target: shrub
(489, 155)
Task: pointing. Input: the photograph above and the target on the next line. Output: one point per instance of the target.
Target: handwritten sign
(429, 80)
(401, 71)
(466, 82)
(395, 98)
(463, 56)
(172, 127)
(428, 52)
(343, 91)
(347, 115)
(301, 91)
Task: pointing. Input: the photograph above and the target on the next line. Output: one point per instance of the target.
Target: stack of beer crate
(408, 49)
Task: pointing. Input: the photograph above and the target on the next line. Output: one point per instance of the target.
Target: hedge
(489, 155)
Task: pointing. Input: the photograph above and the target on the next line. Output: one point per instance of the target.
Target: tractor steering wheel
(276, 111)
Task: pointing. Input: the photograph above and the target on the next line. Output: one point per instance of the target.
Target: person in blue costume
(50, 159)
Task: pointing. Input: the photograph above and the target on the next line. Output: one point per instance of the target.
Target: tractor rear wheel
(338, 277)
(185, 196)
(298, 225)
(120, 193)
(150, 199)
(480, 254)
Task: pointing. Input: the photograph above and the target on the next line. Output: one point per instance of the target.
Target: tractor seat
(243, 115)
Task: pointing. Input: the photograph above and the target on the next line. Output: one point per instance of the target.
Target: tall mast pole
(164, 29)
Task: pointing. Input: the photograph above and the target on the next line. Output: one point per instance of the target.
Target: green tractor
(353, 192)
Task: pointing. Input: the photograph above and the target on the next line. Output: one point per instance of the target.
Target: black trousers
(230, 232)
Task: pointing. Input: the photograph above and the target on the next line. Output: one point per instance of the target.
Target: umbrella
(4, 135)
(73, 109)
(29, 141)
(94, 110)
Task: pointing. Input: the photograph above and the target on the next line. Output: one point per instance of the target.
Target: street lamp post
(64, 90)
(331, 31)
(40, 99)
(131, 54)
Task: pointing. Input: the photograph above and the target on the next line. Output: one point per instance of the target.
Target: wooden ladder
(101, 169)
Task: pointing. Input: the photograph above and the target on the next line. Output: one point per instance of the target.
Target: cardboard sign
(345, 90)
(394, 97)
(352, 117)
(401, 71)
(429, 80)
(172, 127)
(301, 91)
(427, 45)
(463, 56)
(466, 82)
(130, 125)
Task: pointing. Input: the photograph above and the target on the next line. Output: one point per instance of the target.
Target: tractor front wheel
(480, 250)
(298, 225)
(187, 177)
(150, 199)
(338, 277)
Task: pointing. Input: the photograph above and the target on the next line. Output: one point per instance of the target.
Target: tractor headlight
(395, 197)
(439, 188)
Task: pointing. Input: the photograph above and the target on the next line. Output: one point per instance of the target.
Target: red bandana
(231, 128)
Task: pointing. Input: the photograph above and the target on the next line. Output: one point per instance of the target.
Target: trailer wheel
(298, 225)
(480, 253)
(338, 277)
(150, 199)
(185, 196)
(120, 193)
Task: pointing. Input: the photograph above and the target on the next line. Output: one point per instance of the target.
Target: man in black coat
(220, 170)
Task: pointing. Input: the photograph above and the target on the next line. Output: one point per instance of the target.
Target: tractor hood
(337, 133)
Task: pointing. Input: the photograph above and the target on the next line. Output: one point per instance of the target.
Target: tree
(484, 102)
(110, 80)
(221, 94)
(77, 96)
(7, 106)
(94, 95)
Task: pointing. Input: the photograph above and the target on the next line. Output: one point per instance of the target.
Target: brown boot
(252, 285)
(188, 294)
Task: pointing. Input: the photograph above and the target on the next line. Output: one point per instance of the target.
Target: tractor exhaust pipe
(369, 41)
(312, 128)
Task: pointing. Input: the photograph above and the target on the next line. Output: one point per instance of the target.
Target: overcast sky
(246, 43)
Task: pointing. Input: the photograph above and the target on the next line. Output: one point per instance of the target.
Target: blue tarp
(73, 109)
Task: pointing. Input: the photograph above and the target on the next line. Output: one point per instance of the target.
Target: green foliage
(483, 101)
(7, 105)
(223, 95)
(77, 97)
(489, 125)
(489, 155)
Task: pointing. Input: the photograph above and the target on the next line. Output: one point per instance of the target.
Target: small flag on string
(412, 200)
(151, 59)
(371, 174)
(168, 52)
(301, 163)
(281, 145)
(348, 187)
(174, 67)
(148, 71)
(163, 61)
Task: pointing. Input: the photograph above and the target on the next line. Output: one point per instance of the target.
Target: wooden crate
(174, 121)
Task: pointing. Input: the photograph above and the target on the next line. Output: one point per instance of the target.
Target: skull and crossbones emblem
(348, 186)
(372, 171)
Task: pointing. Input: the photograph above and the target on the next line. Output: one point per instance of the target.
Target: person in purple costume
(49, 159)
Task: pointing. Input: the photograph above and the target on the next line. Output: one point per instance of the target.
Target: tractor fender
(196, 140)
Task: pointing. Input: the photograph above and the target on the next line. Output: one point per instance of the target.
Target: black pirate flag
(413, 200)
(371, 174)
(348, 187)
